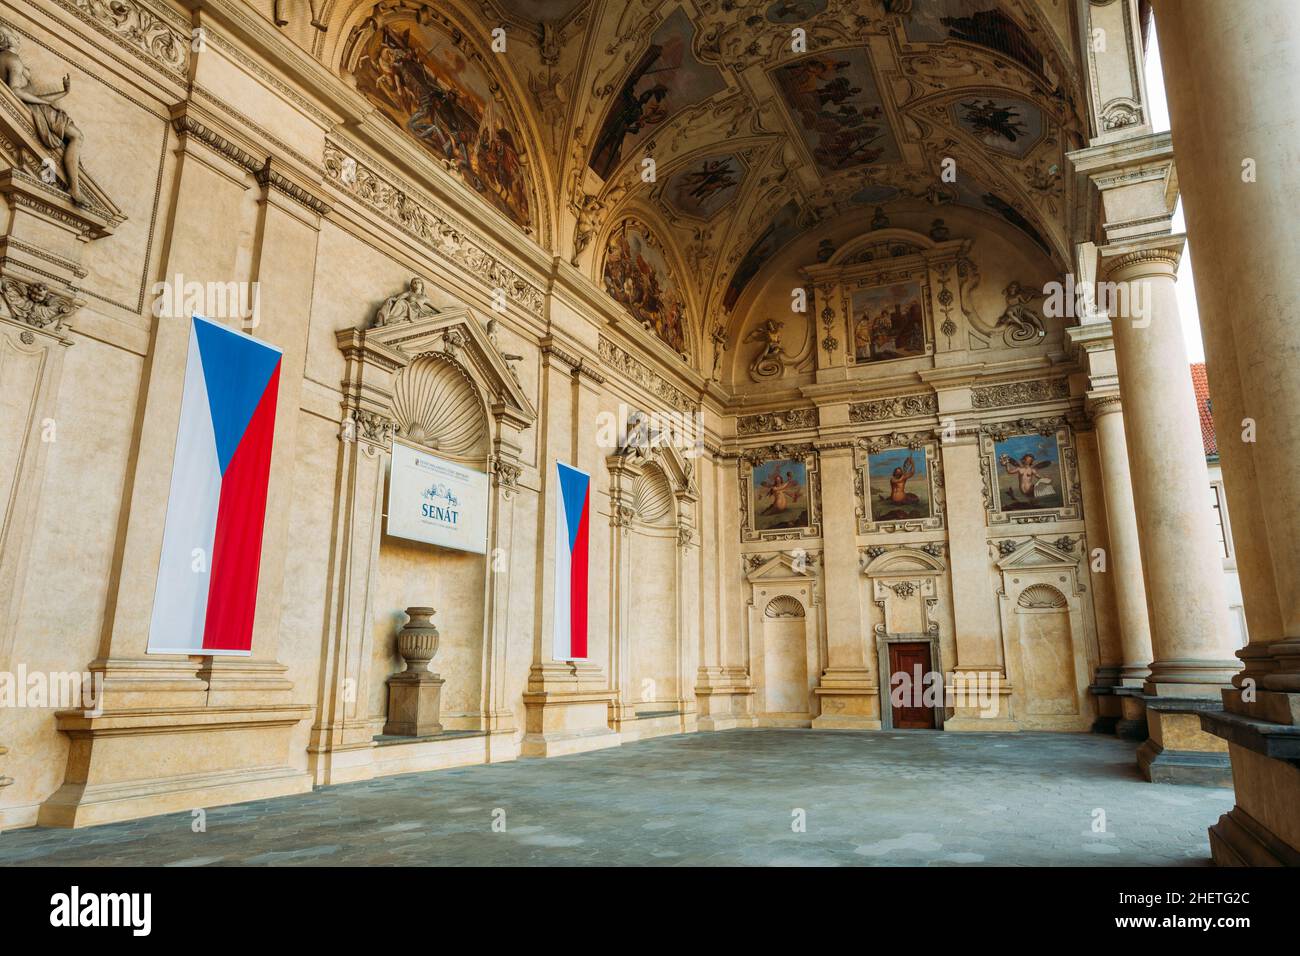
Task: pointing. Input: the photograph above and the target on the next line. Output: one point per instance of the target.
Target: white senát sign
(437, 501)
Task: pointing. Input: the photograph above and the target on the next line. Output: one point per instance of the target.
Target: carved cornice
(620, 360)
(904, 406)
(446, 237)
(267, 177)
(789, 420)
(135, 26)
(1020, 393)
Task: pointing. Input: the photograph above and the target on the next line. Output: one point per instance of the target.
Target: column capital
(1103, 403)
(1159, 255)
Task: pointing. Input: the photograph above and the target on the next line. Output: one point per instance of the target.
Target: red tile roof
(1202, 388)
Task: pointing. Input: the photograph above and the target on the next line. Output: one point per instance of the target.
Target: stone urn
(417, 641)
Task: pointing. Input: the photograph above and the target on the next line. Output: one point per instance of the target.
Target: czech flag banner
(573, 494)
(212, 539)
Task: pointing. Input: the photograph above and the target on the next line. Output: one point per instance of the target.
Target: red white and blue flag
(212, 540)
(574, 513)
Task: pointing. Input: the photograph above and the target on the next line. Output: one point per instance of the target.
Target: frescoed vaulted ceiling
(716, 132)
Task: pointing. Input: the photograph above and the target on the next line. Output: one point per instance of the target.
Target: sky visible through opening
(1159, 115)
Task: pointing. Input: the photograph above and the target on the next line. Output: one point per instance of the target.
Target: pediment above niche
(784, 567)
(902, 561)
(458, 335)
(1037, 554)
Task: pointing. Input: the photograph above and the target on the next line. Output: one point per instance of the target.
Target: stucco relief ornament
(34, 304)
(771, 358)
(409, 306)
(53, 125)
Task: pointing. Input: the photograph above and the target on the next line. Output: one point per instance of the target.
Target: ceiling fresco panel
(664, 80)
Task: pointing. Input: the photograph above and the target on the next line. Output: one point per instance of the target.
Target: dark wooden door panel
(912, 659)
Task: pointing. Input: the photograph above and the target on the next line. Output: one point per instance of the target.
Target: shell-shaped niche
(784, 606)
(436, 405)
(1041, 596)
(652, 497)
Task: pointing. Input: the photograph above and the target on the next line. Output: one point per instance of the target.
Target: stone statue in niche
(409, 306)
(53, 125)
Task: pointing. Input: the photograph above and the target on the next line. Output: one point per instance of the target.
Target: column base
(1238, 839)
(1178, 749)
(1132, 723)
(724, 698)
(980, 700)
(1108, 708)
(567, 710)
(1263, 739)
(848, 700)
(213, 755)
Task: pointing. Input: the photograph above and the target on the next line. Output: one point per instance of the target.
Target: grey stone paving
(890, 798)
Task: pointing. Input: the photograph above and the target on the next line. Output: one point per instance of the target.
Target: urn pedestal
(415, 694)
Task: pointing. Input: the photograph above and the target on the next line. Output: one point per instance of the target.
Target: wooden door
(913, 660)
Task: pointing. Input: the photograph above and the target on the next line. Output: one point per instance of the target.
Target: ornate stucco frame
(749, 458)
(864, 448)
(1071, 508)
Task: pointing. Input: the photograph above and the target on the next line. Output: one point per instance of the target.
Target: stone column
(1186, 600)
(847, 692)
(1125, 558)
(1236, 125)
(1125, 566)
(1191, 634)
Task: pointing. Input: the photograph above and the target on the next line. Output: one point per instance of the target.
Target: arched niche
(437, 409)
(905, 586)
(786, 647)
(438, 383)
(1050, 636)
(652, 508)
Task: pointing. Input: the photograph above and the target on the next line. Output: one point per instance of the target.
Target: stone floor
(892, 798)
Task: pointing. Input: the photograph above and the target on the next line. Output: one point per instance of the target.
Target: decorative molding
(34, 304)
(1041, 597)
(903, 406)
(621, 361)
(784, 606)
(1020, 393)
(437, 405)
(267, 177)
(133, 25)
(789, 420)
(446, 237)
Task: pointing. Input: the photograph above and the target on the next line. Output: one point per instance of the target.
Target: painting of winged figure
(779, 495)
(426, 84)
(1028, 472)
